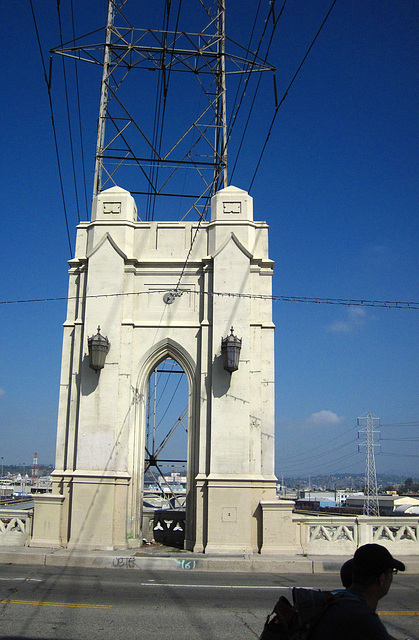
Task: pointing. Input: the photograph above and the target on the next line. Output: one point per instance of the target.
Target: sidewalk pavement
(161, 558)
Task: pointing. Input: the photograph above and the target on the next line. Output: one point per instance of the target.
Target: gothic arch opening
(165, 460)
(164, 501)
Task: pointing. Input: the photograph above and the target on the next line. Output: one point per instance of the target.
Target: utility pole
(371, 506)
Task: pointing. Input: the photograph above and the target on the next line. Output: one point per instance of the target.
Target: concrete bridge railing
(15, 527)
(284, 531)
(338, 535)
(288, 532)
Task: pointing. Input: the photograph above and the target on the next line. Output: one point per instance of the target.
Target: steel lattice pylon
(178, 132)
(371, 506)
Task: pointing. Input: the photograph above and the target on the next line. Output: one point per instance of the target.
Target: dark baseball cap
(374, 559)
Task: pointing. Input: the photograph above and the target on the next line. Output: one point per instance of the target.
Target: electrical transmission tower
(170, 141)
(371, 506)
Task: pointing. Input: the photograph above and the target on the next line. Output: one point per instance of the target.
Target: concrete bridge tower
(118, 277)
(121, 278)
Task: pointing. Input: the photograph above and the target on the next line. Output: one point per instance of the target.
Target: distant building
(389, 504)
(327, 498)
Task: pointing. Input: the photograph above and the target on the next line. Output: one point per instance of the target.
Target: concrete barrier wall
(284, 532)
(15, 527)
(287, 532)
(342, 535)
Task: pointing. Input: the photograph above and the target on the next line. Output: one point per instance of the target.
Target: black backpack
(296, 621)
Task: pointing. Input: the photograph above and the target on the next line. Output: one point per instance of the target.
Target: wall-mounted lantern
(98, 347)
(230, 350)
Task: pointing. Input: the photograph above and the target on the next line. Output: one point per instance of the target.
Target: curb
(181, 561)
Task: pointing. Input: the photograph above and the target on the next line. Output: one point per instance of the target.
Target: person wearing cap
(352, 615)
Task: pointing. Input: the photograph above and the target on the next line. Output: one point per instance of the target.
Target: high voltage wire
(300, 465)
(79, 112)
(234, 115)
(324, 466)
(160, 110)
(398, 439)
(233, 109)
(286, 93)
(323, 444)
(414, 423)
(274, 25)
(170, 402)
(67, 102)
(302, 459)
(321, 466)
(389, 304)
(307, 457)
(297, 463)
(48, 83)
(400, 455)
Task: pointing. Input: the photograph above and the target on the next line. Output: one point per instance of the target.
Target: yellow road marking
(109, 606)
(398, 613)
(58, 604)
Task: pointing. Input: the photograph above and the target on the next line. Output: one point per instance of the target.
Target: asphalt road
(49, 603)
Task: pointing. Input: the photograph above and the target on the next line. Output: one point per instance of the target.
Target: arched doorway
(165, 460)
(164, 444)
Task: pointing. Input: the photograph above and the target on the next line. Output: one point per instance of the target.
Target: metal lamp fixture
(230, 350)
(98, 347)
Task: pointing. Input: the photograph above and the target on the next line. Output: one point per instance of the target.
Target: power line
(286, 93)
(67, 102)
(400, 455)
(159, 110)
(233, 109)
(48, 83)
(169, 371)
(389, 304)
(275, 22)
(323, 466)
(414, 423)
(399, 439)
(323, 444)
(308, 457)
(79, 113)
(359, 303)
(170, 402)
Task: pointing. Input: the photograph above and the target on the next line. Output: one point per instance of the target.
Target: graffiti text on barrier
(124, 563)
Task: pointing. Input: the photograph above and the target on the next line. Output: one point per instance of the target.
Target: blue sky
(337, 185)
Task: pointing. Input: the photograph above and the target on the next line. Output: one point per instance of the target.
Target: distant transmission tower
(371, 506)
